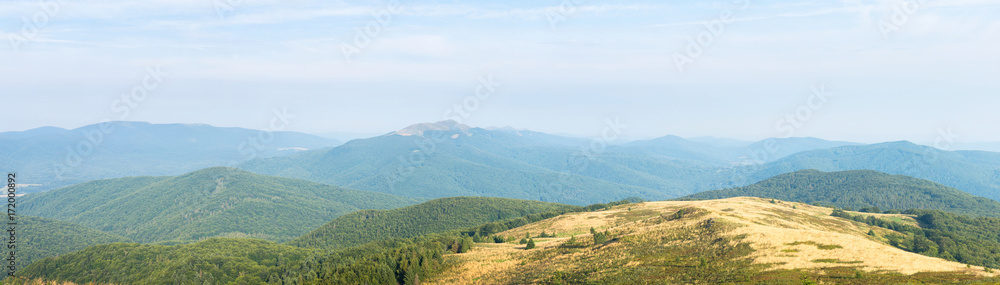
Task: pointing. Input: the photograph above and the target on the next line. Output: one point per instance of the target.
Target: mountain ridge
(860, 189)
(207, 203)
(56, 157)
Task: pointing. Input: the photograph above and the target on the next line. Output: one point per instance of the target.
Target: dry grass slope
(716, 241)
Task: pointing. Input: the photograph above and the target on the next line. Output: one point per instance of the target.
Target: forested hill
(212, 261)
(435, 216)
(975, 172)
(387, 260)
(858, 189)
(38, 238)
(669, 242)
(206, 203)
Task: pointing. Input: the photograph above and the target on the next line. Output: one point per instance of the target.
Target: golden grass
(784, 235)
(813, 224)
(488, 262)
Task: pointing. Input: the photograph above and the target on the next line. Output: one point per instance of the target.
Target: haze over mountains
(975, 172)
(448, 159)
(48, 158)
(444, 159)
(458, 159)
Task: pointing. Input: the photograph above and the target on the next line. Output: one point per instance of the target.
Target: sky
(856, 70)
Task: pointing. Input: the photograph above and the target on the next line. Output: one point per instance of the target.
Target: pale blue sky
(939, 67)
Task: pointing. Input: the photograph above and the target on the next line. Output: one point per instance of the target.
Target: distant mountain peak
(419, 129)
(46, 129)
(504, 128)
(906, 145)
(898, 143)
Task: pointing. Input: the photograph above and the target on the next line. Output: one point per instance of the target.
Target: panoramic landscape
(517, 142)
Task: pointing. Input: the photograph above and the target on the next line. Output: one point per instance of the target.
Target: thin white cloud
(820, 12)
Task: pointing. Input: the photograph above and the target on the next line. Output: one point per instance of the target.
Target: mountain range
(48, 158)
(446, 159)
(975, 172)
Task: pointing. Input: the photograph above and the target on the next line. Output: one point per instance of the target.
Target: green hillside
(441, 215)
(206, 203)
(213, 261)
(420, 236)
(658, 242)
(859, 189)
(39, 238)
(975, 172)
(246, 261)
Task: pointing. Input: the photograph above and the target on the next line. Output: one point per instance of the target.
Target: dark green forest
(39, 238)
(214, 202)
(213, 261)
(385, 260)
(436, 216)
(969, 240)
(857, 189)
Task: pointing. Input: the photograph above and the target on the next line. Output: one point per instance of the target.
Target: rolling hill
(388, 235)
(436, 216)
(39, 238)
(975, 172)
(213, 261)
(730, 241)
(736, 240)
(859, 189)
(48, 158)
(206, 203)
